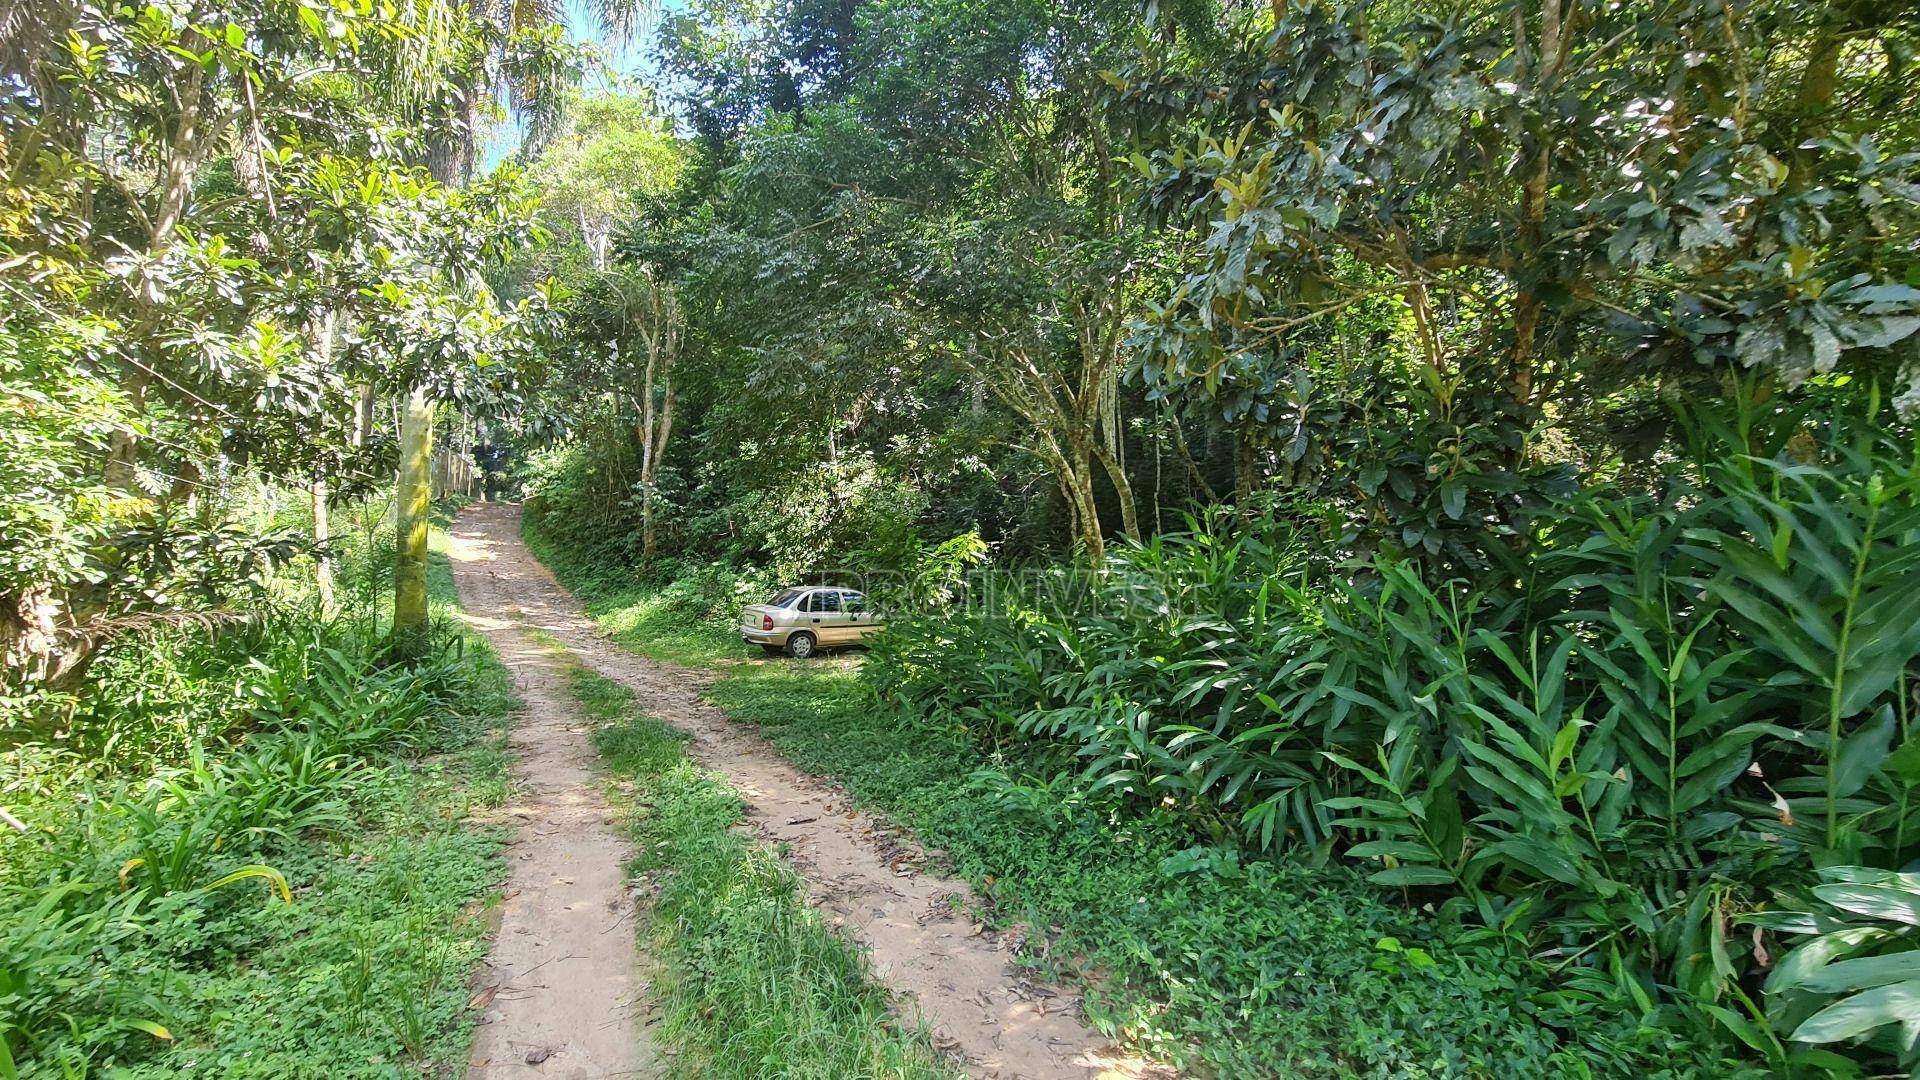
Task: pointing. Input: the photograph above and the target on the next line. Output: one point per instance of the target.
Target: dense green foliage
(230, 232)
(749, 977)
(1692, 702)
(1242, 964)
(1053, 271)
(1534, 379)
(1229, 961)
(1504, 410)
(247, 853)
(233, 234)
(1450, 465)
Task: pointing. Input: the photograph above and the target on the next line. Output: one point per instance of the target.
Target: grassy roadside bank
(122, 955)
(367, 973)
(749, 977)
(639, 616)
(1199, 954)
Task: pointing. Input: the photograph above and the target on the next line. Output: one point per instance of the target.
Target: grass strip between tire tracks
(749, 979)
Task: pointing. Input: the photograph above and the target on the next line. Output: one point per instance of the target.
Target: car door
(806, 616)
(860, 617)
(820, 614)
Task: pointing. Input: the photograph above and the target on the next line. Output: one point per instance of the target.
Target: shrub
(1221, 961)
(569, 499)
(1855, 975)
(1681, 699)
(76, 981)
(714, 593)
(192, 766)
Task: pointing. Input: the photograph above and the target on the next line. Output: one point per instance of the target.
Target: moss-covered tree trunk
(413, 500)
(323, 576)
(322, 536)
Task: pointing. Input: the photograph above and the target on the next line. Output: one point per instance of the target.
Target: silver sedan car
(802, 621)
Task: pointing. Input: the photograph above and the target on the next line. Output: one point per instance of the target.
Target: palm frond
(622, 20)
(533, 14)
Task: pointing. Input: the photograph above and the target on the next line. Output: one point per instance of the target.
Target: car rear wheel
(801, 645)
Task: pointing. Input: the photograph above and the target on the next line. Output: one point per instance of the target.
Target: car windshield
(784, 598)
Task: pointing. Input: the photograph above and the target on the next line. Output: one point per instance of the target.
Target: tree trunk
(1080, 475)
(1090, 534)
(180, 159)
(450, 159)
(122, 450)
(662, 333)
(1195, 480)
(596, 237)
(1073, 472)
(363, 417)
(646, 444)
(1813, 100)
(412, 503)
(1245, 472)
(185, 485)
(322, 559)
(1157, 526)
(1527, 306)
(664, 426)
(1123, 489)
(646, 523)
(322, 527)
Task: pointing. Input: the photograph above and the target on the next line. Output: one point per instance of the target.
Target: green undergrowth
(1197, 953)
(643, 618)
(301, 762)
(642, 621)
(367, 972)
(750, 979)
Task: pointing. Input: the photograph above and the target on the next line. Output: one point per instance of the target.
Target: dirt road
(564, 995)
(923, 943)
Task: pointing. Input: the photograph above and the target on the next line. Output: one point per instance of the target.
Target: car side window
(856, 603)
(827, 601)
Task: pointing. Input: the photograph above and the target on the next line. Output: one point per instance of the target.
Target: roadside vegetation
(250, 855)
(243, 259)
(747, 975)
(1397, 517)
(1453, 463)
(1191, 948)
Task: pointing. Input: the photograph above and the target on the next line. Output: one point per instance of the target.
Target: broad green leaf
(1873, 901)
(1411, 875)
(1398, 849)
(1855, 1016)
(1797, 966)
(1864, 973)
(1863, 753)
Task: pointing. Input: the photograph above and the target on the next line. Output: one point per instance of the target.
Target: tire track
(915, 925)
(564, 997)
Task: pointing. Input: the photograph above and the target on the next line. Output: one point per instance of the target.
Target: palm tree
(532, 82)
